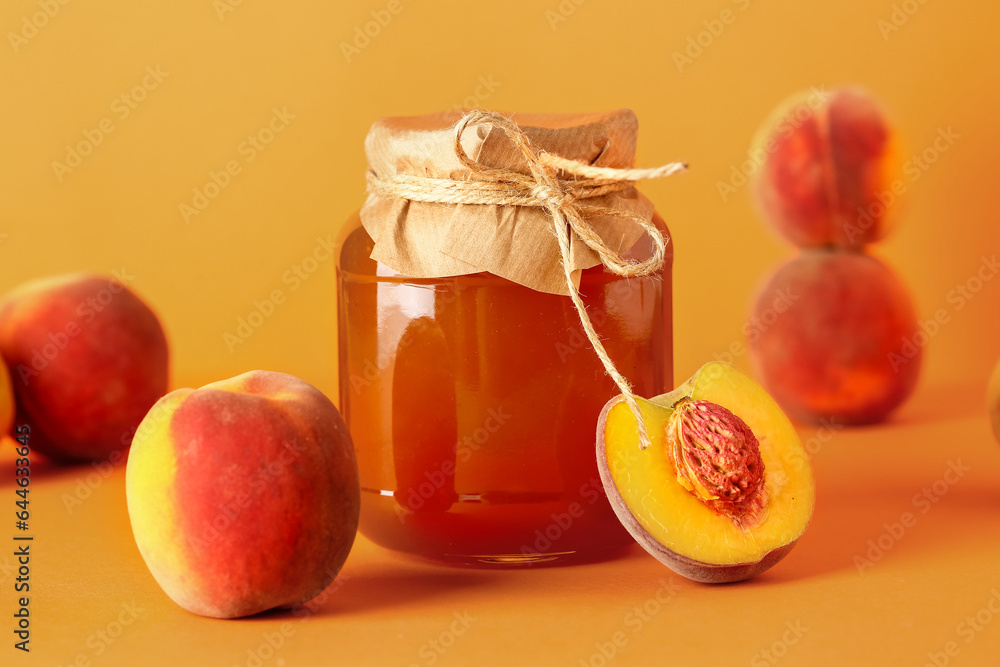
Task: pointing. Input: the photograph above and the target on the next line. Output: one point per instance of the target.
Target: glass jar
(473, 404)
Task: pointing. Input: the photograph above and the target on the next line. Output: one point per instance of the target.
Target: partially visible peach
(994, 401)
(846, 346)
(6, 401)
(830, 163)
(87, 358)
(243, 495)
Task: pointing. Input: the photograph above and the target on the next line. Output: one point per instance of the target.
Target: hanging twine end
(644, 441)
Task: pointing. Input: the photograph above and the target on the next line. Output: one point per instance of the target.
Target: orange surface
(215, 82)
(386, 609)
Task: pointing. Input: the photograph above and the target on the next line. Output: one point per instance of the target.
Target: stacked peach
(841, 344)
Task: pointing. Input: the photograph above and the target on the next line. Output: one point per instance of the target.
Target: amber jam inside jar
(473, 404)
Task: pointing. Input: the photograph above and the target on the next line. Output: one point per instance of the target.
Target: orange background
(226, 73)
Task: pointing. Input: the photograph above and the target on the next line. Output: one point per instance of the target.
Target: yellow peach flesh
(675, 517)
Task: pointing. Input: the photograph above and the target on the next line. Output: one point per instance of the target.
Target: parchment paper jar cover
(470, 389)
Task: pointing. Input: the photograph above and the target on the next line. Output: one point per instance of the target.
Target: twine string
(563, 199)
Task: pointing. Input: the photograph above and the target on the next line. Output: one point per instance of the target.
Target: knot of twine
(561, 198)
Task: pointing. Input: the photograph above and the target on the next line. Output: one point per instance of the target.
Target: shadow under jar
(473, 404)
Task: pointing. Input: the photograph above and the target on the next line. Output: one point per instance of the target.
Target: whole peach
(830, 169)
(834, 336)
(243, 495)
(87, 358)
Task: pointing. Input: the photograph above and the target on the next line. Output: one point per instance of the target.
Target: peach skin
(87, 358)
(846, 348)
(831, 169)
(243, 495)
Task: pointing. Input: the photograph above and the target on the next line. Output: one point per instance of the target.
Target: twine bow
(563, 199)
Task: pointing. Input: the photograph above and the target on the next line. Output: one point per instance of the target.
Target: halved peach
(724, 491)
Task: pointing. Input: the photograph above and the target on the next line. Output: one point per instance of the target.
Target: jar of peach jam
(473, 400)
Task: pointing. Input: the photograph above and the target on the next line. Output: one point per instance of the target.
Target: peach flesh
(675, 524)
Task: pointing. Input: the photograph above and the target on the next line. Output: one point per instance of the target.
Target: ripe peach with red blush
(243, 495)
(87, 358)
(831, 171)
(848, 348)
